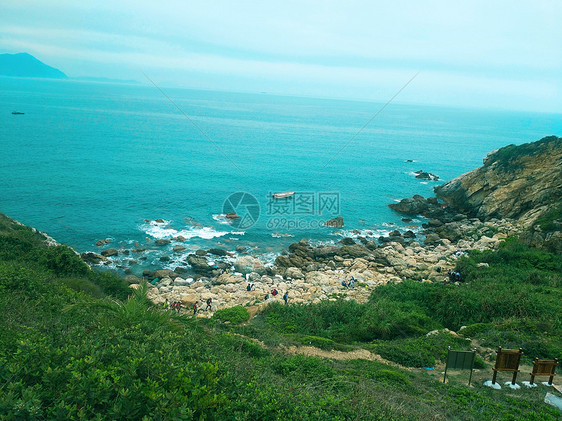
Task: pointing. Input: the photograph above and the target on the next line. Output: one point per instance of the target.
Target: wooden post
(446, 365)
(552, 372)
(533, 373)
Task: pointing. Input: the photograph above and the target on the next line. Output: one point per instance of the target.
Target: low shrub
(234, 315)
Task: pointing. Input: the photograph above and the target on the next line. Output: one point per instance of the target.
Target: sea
(134, 164)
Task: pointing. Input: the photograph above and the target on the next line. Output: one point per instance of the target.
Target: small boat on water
(17, 113)
(283, 194)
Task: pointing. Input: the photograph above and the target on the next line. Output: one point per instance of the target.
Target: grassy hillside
(73, 346)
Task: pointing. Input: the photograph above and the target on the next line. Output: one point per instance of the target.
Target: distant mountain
(25, 65)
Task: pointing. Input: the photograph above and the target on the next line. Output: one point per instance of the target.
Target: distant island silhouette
(25, 65)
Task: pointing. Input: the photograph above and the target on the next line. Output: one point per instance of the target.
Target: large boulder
(294, 273)
(199, 264)
(354, 251)
(247, 264)
(217, 252)
(411, 206)
(325, 252)
(109, 252)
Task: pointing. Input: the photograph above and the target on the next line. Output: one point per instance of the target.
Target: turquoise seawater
(88, 161)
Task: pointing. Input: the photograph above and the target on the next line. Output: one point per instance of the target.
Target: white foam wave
(281, 234)
(366, 233)
(221, 218)
(162, 231)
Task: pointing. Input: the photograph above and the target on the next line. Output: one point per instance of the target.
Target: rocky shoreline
(516, 192)
(311, 274)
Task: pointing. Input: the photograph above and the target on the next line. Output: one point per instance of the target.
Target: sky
(483, 54)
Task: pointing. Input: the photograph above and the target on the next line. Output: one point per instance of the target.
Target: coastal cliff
(519, 182)
(523, 183)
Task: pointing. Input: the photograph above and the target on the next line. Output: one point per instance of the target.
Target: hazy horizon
(469, 55)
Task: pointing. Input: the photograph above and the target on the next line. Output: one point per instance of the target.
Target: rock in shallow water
(336, 222)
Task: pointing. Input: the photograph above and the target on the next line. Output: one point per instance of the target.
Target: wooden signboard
(507, 360)
(544, 368)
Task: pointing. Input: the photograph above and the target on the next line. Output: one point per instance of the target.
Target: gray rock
(347, 241)
(164, 273)
(181, 282)
(109, 252)
(248, 264)
(198, 263)
(354, 251)
(409, 234)
(432, 238)
(92, 258)
(162, 242)
(178, 249)
(294, 273)
(336, 222)
(326, 252)
(217, 252)
(411, 206)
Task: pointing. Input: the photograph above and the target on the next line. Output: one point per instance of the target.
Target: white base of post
(492, 385)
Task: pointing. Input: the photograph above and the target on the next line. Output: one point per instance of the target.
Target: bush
(304, 367)
(234, 315)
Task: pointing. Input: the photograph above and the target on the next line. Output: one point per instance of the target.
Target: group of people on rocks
(175, 306)
(350, 284)
(209, 303)
(274, 292)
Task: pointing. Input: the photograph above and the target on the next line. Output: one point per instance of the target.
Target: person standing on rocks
(285, 297)
(209, 304)
(195, 308)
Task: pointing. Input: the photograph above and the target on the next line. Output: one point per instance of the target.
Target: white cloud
(497, 50)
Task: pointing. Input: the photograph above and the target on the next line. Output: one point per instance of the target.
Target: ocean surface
(89, 161)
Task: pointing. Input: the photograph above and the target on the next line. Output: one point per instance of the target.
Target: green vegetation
(508, 157)
(234, 315)
(78, 344)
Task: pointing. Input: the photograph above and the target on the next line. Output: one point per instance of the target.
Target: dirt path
(357, 354)
(311, 351)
